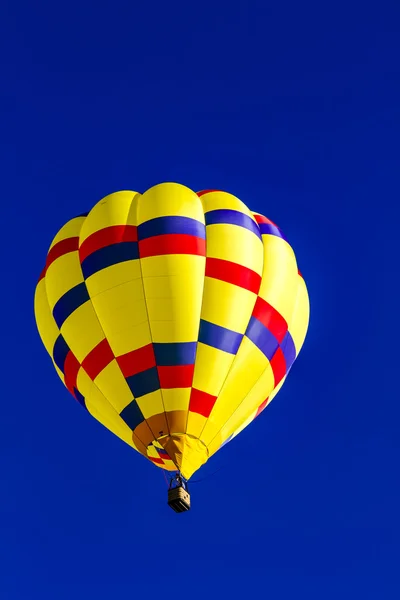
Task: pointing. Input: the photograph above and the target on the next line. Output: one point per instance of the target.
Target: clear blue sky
(293, 107)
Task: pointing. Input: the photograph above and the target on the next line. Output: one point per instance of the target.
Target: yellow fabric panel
(122, 318)
(211, 367)
(121, 307)
(82, 331)
(236, 244)
(195, 424)
(70, 229)
(151, 404)
(46, 324)
(174, 264)
(113, 276)
(84, 385)
(248, 366)
(111, 210)
(227, 305)
(101, 409)
(47, 327)
(130, 339)
(169, 199)
(280, 280)
(163, 331)
(176, 399)
(301, 314)
(171, 267)
(255, 397)
(62, 275)
(113, 385)
(174, 301)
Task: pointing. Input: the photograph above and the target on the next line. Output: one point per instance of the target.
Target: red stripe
(98, 359)
(63, 247)
(206, 192)
(262, 219)
(278, 364)
(172, 243)
(271, 318)
(233, 273)
(157, 461)
(106, 237)
(261, 407)
(71, 368)
(298, 271)
(137, 361)
(201, 402)
(178, 376)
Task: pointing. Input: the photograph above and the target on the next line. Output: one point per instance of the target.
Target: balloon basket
(179, 499)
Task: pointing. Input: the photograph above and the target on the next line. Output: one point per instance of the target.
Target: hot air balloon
(173, 318)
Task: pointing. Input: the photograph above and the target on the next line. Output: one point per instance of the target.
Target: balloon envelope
(172, 317)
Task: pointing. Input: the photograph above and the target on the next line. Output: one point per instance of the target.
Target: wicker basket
(179, 499)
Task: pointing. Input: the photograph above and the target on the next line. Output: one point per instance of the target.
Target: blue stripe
(163, 225)
(232, 217)
(267, 228)
(289, 350)
(144, 383)
(80, 398)
(262, 338)
(60, 352)
(219, 337)
(109, 255)
(132, 415)
(172, 354)
(68, 303)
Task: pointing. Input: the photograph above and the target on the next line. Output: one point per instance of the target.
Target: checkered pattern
(172, 317)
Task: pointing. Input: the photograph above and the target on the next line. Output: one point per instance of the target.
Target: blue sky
(294, 108)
